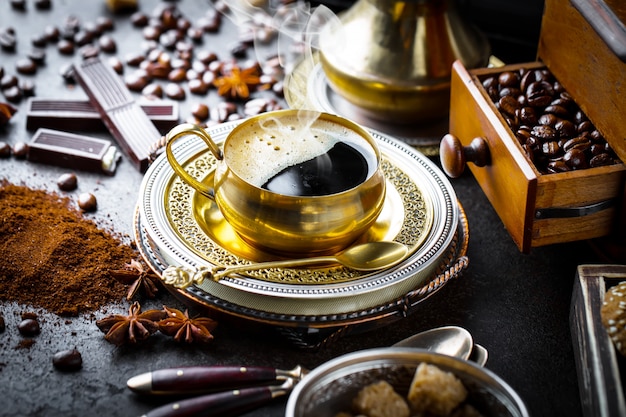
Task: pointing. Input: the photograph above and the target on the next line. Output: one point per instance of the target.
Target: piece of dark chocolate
(68, 114)
(68, 150)
(126, 121)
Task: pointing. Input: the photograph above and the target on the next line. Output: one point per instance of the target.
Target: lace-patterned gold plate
(420, 211)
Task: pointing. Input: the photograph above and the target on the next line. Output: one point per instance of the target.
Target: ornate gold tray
(178, 227)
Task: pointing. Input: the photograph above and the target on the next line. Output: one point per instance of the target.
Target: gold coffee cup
(293, 182)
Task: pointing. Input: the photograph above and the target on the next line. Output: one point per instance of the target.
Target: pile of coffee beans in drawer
(554, 132)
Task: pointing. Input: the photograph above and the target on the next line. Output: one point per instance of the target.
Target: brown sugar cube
(380, 400)
(435, 391)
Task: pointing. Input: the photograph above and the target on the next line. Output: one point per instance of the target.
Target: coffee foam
(259, 152)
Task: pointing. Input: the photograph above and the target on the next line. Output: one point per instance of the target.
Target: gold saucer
(421, 212)
(407, 217)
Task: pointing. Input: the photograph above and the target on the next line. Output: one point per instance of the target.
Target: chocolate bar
(129, 125)
(68, 114)
(73, 151)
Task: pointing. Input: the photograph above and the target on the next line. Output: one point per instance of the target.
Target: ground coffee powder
(52, 257)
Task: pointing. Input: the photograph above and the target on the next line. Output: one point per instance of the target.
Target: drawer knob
(454, 155)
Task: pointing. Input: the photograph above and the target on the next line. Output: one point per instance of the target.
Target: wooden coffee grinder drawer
(542, 193)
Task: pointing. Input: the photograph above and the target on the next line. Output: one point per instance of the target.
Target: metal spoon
(369, 256)
(449, 340)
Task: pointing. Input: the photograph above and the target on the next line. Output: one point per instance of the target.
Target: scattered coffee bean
(5, 150)
(116, 64)
(20, 150)
(174, 91)
(65, 47)
(2, 324)
(18, 4)
(87, 202)
(152, 90)
(27, 87)
(26, 66)
(37, 55)
(197, 86)
(7, 40)
(136, 81)
(13, 94)
(29, 327)
(52, 33)
(67, 73)
(200, 111)
(105, 24)
(67, 182)
(8, 81)
(139, 19)
(68, 360)
(43, 4)
(39, 40)
(107, 44)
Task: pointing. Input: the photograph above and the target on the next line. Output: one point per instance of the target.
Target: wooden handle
(454, 155)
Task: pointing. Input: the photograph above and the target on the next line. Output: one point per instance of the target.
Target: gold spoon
(369, 256)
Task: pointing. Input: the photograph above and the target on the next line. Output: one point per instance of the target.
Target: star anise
(6, 112)
(236, 83)
(135, 327)
(138, 277)
(185, 329)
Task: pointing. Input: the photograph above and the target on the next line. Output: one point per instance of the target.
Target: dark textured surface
(516, 305)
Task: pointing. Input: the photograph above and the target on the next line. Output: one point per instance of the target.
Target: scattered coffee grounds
(53, 257)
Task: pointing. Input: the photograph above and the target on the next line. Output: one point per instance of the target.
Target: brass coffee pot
(392, 59)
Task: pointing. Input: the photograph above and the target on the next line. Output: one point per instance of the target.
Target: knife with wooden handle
(221, 404)
(205, 379)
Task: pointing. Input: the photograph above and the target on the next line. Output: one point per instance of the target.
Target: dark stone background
(516, 305)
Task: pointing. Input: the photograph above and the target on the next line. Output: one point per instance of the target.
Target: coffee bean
(5, 150)
(67, 182)
(139, 19)
(65, 47)
(105, 24)
(13, 94)
(43, 4)
(29, 327)
(200, 111)
(26, 66)
(37, 55)
(116, 64)
(67, 73)
(87, 202)
(174, 91)
(39, 40)
(20, 150)
(18, 4)
(136, 81)
(8, 81)
(601, 159)
(67, 360)
(198, 86)
(152, 90)
(52, 33)
(107, 44)
(2, 324)
(27, 87)
(7, 40)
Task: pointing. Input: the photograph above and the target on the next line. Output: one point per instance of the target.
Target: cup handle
(184, 130)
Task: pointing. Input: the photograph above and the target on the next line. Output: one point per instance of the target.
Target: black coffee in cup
(289, 158)
(341, 168)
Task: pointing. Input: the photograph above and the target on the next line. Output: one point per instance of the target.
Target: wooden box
(540, 209)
